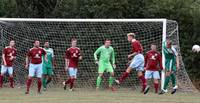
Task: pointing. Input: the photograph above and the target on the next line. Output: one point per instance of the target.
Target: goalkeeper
(106, 53)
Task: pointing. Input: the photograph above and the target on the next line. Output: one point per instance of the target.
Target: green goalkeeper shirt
(50, 55)
(106, 54)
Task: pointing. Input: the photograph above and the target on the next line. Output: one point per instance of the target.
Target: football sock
(156, 87)
(144, 82)
(48, 80)
(111, 81)
(166, 82)
(72, 83)
(39, 82)
(123, 77)
(28, 84)
(173, 79)
(98, 81)
(11, 82)
(1, 81)
(44, 81)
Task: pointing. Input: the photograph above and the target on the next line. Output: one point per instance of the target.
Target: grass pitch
(58, 95)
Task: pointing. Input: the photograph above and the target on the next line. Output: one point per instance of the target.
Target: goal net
(90, 34)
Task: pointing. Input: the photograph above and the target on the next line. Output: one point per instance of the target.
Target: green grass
(58, 95)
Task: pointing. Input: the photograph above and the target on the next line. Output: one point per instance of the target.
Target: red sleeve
(146, 58)
(160, 61)
(67, 54)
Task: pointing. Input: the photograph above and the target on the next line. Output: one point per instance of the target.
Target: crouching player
(8, 56)
(152, 59)
(137, 62)
(171, 64)
(72, 57)
(47, 66)
(106, 53)
(34, 56)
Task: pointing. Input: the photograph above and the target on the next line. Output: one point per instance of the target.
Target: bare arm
(66, 64)
(27, 62)
(3, 57)
(177, 62)
(133, 54)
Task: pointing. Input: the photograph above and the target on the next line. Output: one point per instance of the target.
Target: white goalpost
(90, 34)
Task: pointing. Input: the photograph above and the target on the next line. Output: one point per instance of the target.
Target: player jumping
(152, 59)
(171, 64)
(47, 66)
(72, 57)
(137, 62)
(8, 56)
(34, 62)
(106, 53)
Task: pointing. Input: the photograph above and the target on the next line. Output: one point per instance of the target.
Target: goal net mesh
(90, 36)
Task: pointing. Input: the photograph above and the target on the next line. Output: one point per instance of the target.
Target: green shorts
(170, 65)
(47, 70)
(105, 66)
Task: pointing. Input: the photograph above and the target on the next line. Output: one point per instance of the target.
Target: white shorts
(72, 72)
(137, 62)
(152, 74)
(35, 70)
(5, 69)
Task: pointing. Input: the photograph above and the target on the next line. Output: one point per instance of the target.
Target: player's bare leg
(98, 82)
(11, 80)
(124, 75)
(111, 79)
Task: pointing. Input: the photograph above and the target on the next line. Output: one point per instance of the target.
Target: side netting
(90, 35)
(183, 79)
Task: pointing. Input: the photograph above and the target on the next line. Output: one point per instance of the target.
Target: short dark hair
(36, 40)
(12, 40)
(73, 39)
(107, 40)
(153, 43)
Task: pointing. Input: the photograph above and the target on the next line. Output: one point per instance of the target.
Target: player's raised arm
(177, 58)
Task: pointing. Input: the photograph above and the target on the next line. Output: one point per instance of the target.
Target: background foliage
(186, 12)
